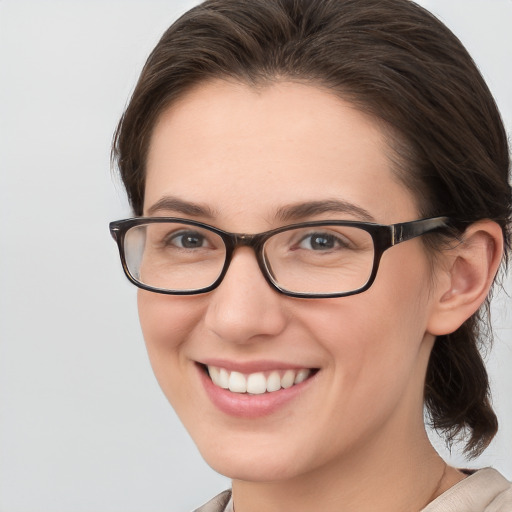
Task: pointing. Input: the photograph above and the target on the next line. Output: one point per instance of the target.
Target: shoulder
(217, 504)
(502, 502)
(485, 490)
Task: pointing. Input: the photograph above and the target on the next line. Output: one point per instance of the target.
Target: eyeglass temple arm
(408, 230)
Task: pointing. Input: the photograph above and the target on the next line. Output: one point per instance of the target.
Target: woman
(322, 201)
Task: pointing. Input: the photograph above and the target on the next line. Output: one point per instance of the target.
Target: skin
(354, 438)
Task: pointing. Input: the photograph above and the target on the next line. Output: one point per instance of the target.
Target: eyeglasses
(308, 260)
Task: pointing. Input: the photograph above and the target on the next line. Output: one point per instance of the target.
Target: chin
(250, 470)
(254, 458)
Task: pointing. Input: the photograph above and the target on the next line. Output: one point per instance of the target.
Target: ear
(465, 275)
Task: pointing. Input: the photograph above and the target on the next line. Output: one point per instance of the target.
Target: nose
(244, 308)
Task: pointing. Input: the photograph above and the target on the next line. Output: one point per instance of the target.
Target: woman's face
(237, 157)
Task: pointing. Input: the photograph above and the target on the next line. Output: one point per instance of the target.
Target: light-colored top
(485, 490)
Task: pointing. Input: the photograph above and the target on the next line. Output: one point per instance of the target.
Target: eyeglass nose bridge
(235, 240)
(256, 242)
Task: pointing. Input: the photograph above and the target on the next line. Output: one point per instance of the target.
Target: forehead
(242, 149)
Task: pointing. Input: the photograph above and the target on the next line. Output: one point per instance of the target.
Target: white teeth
(301, 376)
(256, 383)
(214, 374)
(273, 382)
(223, 381)
(237, 383)
(287, 379)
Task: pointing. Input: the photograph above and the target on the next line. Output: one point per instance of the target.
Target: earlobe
(470, 268)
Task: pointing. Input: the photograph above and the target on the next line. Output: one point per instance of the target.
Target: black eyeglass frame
(383, 236)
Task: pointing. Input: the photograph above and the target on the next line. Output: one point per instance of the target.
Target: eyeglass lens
(318, 260)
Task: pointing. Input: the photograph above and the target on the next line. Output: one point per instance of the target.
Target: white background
(83, 424)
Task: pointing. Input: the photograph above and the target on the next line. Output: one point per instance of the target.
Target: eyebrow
(170, 203)
(289, 213)
(301, 211)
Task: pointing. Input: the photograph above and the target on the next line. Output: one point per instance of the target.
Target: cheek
(380, 321)
(166, 323)
(396, 320)
(162, 318)
(375, 339)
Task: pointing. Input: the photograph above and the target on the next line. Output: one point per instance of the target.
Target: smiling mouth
(259, 382)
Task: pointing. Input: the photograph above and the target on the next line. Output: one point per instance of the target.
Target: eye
(322, 242)
(187, 240)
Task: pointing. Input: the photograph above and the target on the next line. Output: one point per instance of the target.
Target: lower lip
(245, 405)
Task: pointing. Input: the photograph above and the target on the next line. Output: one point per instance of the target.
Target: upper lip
(248, 367)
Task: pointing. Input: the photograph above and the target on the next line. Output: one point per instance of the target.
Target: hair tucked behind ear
(393, 60)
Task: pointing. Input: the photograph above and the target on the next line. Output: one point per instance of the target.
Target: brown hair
(394, 60)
